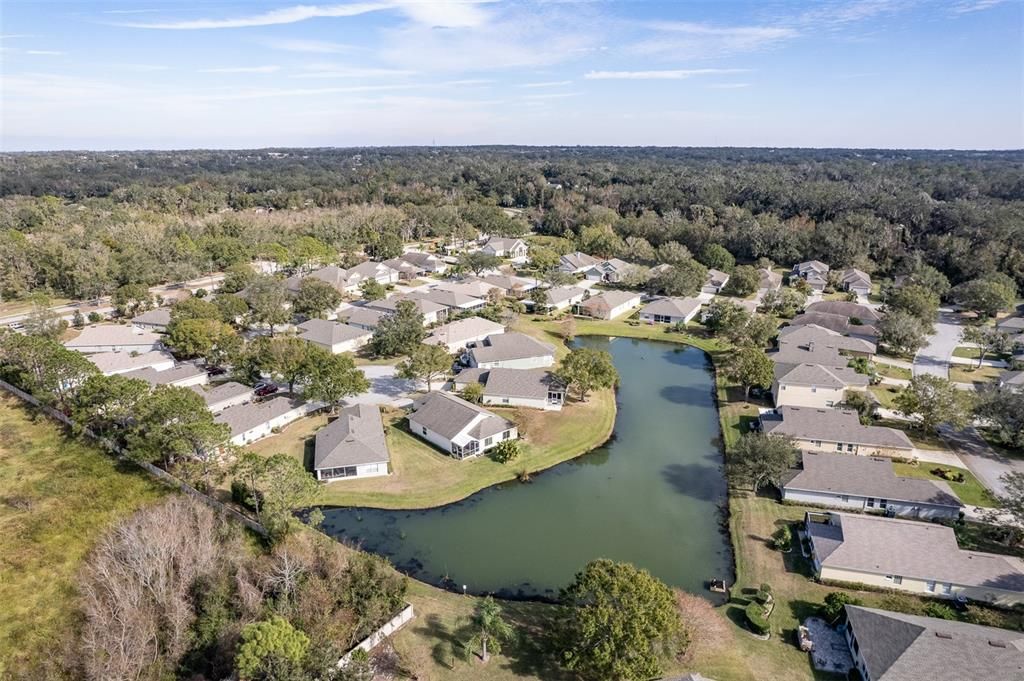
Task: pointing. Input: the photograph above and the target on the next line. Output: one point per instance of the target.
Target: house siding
(855, 502)
(539, 362)
(806, 396)
(137, 347)
(366, 470)
(443, 443)
(673, 319)
(498, 401)
(913, 585)
(265, 429)
(863, 450)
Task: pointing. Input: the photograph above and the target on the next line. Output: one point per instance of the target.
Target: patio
(830, 653)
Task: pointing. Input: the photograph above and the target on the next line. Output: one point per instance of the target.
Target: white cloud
(552, 95)
(675, 74)
(975, 6)
(728, 86)
(690, 40)
(445, 13)
(285, 15)
(550, 83)
(242, 69)
(309, 46)
(129, 11)
(345, 71)
(45, 53)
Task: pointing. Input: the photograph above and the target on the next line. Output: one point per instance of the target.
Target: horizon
(101, 75)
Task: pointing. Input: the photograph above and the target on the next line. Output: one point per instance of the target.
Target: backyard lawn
(885, 394)
(57, 495)
(962, 373)
(970, 491)
(893, 371)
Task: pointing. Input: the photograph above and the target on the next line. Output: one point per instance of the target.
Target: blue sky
(833, 73)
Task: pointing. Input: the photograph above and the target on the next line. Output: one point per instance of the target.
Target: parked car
(215, 371)
(264, 389)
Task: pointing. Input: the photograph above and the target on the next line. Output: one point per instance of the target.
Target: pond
(651, 496)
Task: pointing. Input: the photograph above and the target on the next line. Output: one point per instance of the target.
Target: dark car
(215, 371)
(264, 389)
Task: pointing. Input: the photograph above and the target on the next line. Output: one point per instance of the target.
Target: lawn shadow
(448, 648)
(532, 653)
(309, 454)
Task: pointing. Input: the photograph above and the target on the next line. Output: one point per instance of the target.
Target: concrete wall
(378, 637)
(859, 503)
(917, 586)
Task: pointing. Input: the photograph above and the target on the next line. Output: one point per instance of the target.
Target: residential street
(934, 358)
(986, 464)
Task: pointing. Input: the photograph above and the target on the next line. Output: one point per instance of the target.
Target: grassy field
(962, 373)
(970, 491)
(885, 394)
(892, 371)
(57, 495)
(972, 353)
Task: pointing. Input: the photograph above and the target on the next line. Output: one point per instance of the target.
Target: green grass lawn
(970, 491)
(961, 373)
(968, 352)
(57, 495)
(918, 438)
(892, 371)
(885, 394)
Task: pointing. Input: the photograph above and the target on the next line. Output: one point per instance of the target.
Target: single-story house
(406, 270)
(811, 336)
(814, 272)
(511, 351)
(114, 338)
(220, 397)
(332, 274)
(463, 333)
(922, 558)
(533, 388)
(470, 286)
(835, 430)
(367, 270)
(866, 483)
(433, 312)
(610, 304)
(512, 286)
(814, 385)
(361, 317)
(425, 261)
(254, 420)
(111, 363)
(1014, 380)
(612, 271)
(852, 311)
(153, 320)
(183, 375)
(670, 310)
(564, 297)
(838, 323)
(892, 646)
(577, 263)
(352, 446)
(505, 248)
(768, 280)
(334, 337)
(856, 281)
(452, 300)
(1011, 325)
(715, 281)
(455, 426)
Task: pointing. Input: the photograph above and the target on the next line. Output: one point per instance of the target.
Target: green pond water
(652, 496)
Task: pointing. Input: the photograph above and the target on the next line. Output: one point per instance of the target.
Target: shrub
(95, 317)
(200, 293)
(506, 450)
(782, 539)
(756, 619)
(939, 610)
(834, 604)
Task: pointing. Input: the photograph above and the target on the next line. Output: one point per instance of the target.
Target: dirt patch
(707, 629)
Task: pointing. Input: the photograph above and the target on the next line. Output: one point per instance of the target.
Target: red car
(264, 389)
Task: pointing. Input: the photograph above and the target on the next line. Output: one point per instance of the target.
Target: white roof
(112, 334)
(121, 362)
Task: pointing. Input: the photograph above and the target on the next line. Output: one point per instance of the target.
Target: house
(406, 270)
(835, 430)
(855, 281)
(610, 304)
(334, 337)
(1014, 380)
(433, 312)
(332, 274)
(458, 427)
(114, 338)
(220, 397)
(455, 301)
(470, 286)
(865, 483)
(814, 385)
(564, 297)
(670, 310)
(183, 375)
(855, 312)
(514, 287)
(892, 646)
(533, 388)
(111, 363)
(463, 333)
(1012, 326)
(505, 248)
(838, 323)
(922, 558)
(768, 280)
(361, 317)
(811, 336)
(511, 351)
(715, 281)
(369, 270)
(577, 263)
(814, 272)
(153, 320)
(425, 261)
(611, 271)
(254, 420)
(351, 446)
(812, 351)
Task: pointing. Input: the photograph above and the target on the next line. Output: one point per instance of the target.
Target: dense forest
(82, 224)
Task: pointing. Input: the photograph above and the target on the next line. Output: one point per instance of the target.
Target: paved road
(986, 464)
(934, 358)
(385, 387)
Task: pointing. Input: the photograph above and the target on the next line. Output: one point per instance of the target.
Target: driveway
(934, 357)
(986, 464)
(385, 387)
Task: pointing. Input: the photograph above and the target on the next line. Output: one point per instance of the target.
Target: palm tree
(490, 629)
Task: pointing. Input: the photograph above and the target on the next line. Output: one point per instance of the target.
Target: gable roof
(420, 259)
(324, 332)
(523, 383)
(560, 294)
(818, 375)
(716, 278)
(424, 304)
(855, 276)
(810, 266)
(214, 395)
(672, 307)
(867, 476)
(804, 334)
(121, 362)
(462, 330)
(161, 316)
(578, 261)
(1011, 378)
(768, 279)
(831, 425)
(471, 286)
(112, 334)
(244, 417)
(447, 298)
(899, 647)
(180, 372)
(835, 322)
(356, 437)
(362, 316)
(402, 265)
(509, 346)
(846, 309)
(611, 299)
(448, 416)
(1011, 324)
(509, 283)
(503, 243)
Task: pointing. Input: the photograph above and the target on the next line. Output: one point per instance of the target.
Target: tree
(587, 369)
(990, 341)
(543, 259)
(373, 290)
(743, 281)
(723, 316)
(478, 261)
(131, 299)
(194, 308)
(45, 368)
(270, 650)
(384, 245)
(902, 332)
(107, 404)
(237, 277)
(333, 378)
(616, 621)
(43, 320)
(232, 308)
(489, 629)
(758, 460)
(426, 363)
(285, 486)
(915, 300)
(673, 253)
(600, 241)
(1002, 409)
(173, 423)
(290, 359)
(683, 278)
(250, 469)
(862, 403)
(211, 339)
(1010, 502)
(934, 400)
(267, 298)
(373, 591)
(835, 605)
(506, 451)
(473, 392)
(315, 298)
(715, 256)
(638, 249)
(309, 251)
(988, 295)
(398, 333)
(541, 301)
(749, 366)
(784, 302)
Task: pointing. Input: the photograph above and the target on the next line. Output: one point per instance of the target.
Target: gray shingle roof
(819, 335)
(173, 375)
(558, 294)
(611, 299)
(448, 298)
(846, 309)
(510, 283)
(768, 279)
(831, 425)
(362, 316)
(244, 417)
(818, 376)
(810, 266)
(330, 333)
(835, 322)
(716, 278)
(112, 334)
(161, 316)
(868, 477)
(672, 307)
(462, 330)
(910, 549)
(1011, 324)
(899, 647)
(448, 415)
(216, 394)
(112, 362)
(356, 437)
(424, 304)
(524, 383)
(855, 276)
(1011, 378)
(509, 346)
(578, 260)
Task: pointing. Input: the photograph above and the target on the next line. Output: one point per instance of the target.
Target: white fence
(377, 637)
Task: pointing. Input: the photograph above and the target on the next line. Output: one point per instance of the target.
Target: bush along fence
(378, 637)
(155, 471)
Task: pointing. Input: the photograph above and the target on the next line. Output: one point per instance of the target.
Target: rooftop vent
(997, 644)
(943, 634)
